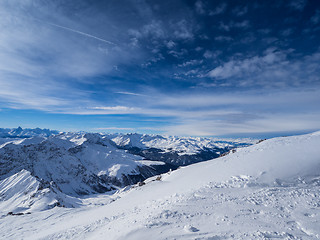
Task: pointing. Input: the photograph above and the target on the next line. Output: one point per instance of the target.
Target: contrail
(76, 31)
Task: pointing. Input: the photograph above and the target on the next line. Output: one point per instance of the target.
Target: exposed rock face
(178, 151)
(77, 164)
(86, 163)
(174, 157)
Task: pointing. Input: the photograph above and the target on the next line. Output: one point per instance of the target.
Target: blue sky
(202, 68)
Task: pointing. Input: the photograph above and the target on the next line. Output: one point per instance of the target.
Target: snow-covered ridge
(181, 145)
(24, 193)
(25, 133)
(77, 163)
(177, 151)
(268, 162)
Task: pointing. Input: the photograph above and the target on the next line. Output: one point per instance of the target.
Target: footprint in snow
(189, 228)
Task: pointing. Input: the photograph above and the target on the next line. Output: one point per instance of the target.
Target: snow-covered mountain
(84, 163)
(266, 191)
(181, 145)
(179, 151)
(25, 133)
(24, 193)
(77, 164)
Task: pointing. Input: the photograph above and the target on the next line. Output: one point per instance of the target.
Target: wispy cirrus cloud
(49, 60)
(240, 11)
(315, 19)
(78, 32)
(232, 25)
(131, 93)
(242, 112)
(115, 108)
(262, 126)
(200, 68)
(218, 10)
(298, 4)
(248, 112)
(200, 7)
(114, 128)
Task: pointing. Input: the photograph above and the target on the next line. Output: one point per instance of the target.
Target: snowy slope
(77, 163)
(23, 193)
(266, 191)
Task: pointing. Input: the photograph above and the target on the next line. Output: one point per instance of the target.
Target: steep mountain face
(178, 151)
(24, 193)
(77, 163)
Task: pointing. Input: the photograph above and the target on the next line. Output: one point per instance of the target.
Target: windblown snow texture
(269, 190)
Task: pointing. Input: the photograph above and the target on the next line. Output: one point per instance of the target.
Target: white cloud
(101, 110)
(46, 66)
(240, 11)
(315, 19)
(170, 44)
(178, 54)
(20, 92)
(115, 108)
(183, 30)
(191, 63)
(267, 124)
(154, 29)
(273, 69)
(249, 38)
(298, 4)
(200, 8)
(224, 27)
(209, 54)
(44, 62)
(218, 10)
(130, 93)
(114, 128)
(241, 113)
(165, 31)
(227, 27)
(287, 32)
(243, 24)
(223, 38)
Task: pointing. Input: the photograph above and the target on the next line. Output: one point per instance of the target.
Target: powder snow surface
(270, 190)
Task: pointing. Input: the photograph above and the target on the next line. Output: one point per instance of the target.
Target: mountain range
(25, 133)
(268, 190)
(60, 167)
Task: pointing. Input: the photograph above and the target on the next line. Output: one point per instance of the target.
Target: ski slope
(270, 190)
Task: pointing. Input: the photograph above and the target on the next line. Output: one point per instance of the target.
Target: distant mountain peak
(26, 133)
